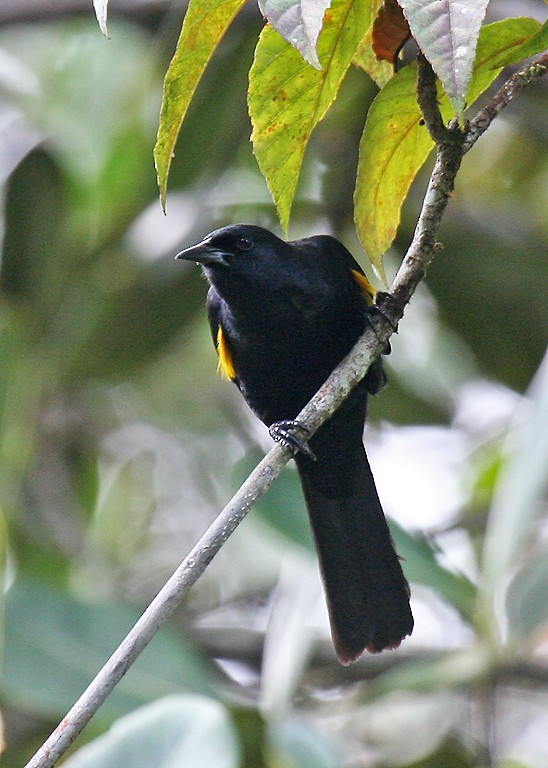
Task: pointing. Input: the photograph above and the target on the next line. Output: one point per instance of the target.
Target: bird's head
(247, 264)
(239, 247)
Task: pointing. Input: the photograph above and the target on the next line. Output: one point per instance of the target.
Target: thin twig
(352, 369)
(511, 88)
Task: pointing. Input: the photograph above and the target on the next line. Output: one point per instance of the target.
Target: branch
(427, 96)
(452, 144)
(511, 88)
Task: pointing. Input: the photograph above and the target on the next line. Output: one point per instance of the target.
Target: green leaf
(513, 44)
(175, 731)
(447, 33)
(288, 97)
(56, 645)
(204, 26)
(503, 43)
(394, 144)
(514, 764)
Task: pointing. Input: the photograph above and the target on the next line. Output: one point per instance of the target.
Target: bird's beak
(203, 253)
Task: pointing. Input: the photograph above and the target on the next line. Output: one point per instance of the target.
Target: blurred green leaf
(251, 728)
(499, 325)
(294, 742)
(3, 559)
(421, 566)
(450, 754)
(179, 731)
(127, 325)
(288, 97)
(55, 646)
(519, 495)
(435, 671)
(126, 492)
(526, 603)
(283, 504)
(35, 262)
(97, 93)
(486, 464)
(513, 764)
(204, 26)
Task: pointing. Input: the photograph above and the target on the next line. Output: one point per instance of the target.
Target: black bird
(282, 316)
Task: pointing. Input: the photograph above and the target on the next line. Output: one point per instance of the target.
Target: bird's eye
(244, 244)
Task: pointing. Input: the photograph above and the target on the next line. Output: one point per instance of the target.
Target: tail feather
(366, 591)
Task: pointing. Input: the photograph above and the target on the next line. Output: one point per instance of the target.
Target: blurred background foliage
(119, 443)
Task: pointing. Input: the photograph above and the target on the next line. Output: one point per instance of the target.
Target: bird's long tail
(366, 591)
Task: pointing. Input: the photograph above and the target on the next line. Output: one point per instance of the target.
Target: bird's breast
(281, 359)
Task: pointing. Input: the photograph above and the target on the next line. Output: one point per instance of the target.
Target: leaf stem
(427, 96)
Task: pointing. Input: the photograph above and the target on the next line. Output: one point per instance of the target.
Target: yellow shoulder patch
(368, 291)
(225, 365)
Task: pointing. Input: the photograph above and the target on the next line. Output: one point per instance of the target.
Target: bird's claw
(382, 306)
(378, 309)
(292, 435)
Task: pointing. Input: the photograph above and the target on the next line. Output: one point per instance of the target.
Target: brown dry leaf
(390, 31)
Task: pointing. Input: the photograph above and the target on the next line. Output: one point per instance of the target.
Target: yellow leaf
(379, 71)
(395, 144)
(288, 97)
(206, 21)
(393, 147)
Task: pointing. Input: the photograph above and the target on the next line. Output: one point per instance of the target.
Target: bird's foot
(293, 435)
(385, 306)
(378, 309)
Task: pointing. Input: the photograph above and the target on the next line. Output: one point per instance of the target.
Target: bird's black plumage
(282, 316)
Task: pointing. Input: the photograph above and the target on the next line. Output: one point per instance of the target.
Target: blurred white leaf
(447, 32)
(101, 13)
(174, 731)
(299, 22)
(290, 633)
